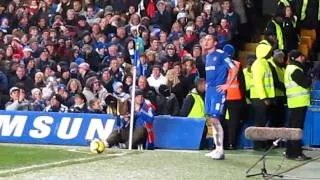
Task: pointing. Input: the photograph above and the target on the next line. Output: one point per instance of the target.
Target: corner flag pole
(133, 92)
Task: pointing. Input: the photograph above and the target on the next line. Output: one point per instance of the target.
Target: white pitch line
(27, 168)
(77, 151)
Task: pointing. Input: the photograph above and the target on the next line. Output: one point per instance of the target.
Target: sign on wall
(54, 128)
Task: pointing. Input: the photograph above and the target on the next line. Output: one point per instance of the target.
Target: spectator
(116, 72)
(171, 54)
(166, 102)
(193, 105)
(66, 97)
(4, 83)
(21, 78)
(190, 73)
(80, 104)
(119, 93)
(175, 85)
(37, 102)
(144, 69)
(156, 78)
(17, 100)
(74, 87)
(107, 80)
(143, 115)
(39, 80)
(85, 72)
(95, 106)
(56, 105)
(127, 83)
(148, 92)
(290, 34)
(228, 13)
(93, 89)
(162, 17)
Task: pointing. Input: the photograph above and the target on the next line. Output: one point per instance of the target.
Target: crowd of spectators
(74, 56)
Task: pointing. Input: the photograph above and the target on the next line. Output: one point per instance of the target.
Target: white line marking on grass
(78, 151)
(72, 161)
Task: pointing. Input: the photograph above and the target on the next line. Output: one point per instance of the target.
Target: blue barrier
(311, 135)
(178, 132)
(77, 129)
(53, 128)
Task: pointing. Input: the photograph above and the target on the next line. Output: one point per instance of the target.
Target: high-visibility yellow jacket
(262, 75)
(297, 96)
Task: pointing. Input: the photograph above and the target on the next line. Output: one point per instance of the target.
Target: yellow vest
(197, 110)
(262, 80)
(279, 35)
(285, 2)
(297, 96)
(304, 9)
(280, 74)
(249, 82)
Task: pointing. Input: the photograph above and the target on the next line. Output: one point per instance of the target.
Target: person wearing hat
(171, 54)
(297, 85)
(156, 78)
(167, 102)
(234, 102)
(37, 102)
(143, 122)
(56, 105)
(119, 93)
(17, 100)
(27, 52)
(263, 91)
(85, 72)
(80, 104)
(274, 28)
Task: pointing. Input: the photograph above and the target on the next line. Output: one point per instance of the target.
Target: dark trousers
(278, 112)
(122, 136)
(261, 112)
(232, 126)
(296, 120)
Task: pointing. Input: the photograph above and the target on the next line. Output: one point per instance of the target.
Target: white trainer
(209, 154)
(218, 155)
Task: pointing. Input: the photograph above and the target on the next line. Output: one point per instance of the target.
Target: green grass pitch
(54, 162)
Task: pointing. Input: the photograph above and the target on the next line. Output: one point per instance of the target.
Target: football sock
(218, 135)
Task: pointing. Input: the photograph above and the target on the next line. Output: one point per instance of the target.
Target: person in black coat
(22, 79)
(148, 92)
(166, 102)
(80, 104)
(162, 17)
(290, 34)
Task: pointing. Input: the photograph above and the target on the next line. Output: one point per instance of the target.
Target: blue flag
(137, 61)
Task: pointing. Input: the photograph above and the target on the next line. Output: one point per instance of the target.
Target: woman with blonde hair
(175, 85)
(39, 80)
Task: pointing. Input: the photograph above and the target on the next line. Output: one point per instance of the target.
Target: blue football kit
(217, 65)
